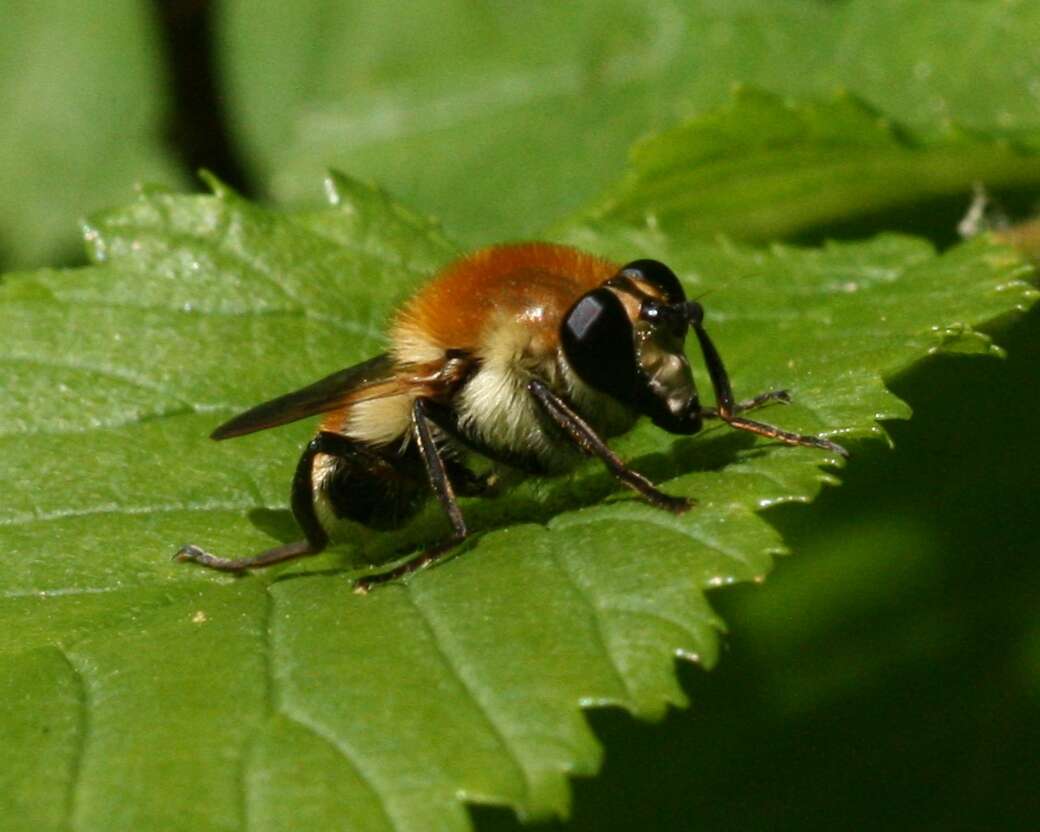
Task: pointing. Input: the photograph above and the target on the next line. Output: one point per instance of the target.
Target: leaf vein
(681, 626)
(257, 268)
(349, 754)
(267, 674)
(105, 372)
(84, 729)
(482, 707)
(140, 419)
(383, 256)
(58, 593)
(659, 523)
(64, 514)
(594, 615)
(295, 312)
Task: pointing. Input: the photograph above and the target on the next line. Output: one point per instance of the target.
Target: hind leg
(302, 501)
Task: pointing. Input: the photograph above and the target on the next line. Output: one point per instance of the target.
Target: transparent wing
(329, 393)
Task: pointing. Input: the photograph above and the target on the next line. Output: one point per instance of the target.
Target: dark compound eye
(659, 275)
(597, 340)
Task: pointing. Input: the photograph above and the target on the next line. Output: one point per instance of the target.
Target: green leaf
(82, 100)
(762, 168)
(149, 694)
(501, 117)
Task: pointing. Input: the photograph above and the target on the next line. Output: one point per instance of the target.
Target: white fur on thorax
(388, 420)
(496, 406)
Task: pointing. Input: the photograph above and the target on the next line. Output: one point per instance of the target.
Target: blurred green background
(888, 674)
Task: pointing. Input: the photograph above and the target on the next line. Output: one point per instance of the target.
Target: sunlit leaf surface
(143, 693)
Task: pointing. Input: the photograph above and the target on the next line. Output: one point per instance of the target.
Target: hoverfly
(521, 353)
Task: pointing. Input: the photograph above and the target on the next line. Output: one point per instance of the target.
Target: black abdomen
(378, 488)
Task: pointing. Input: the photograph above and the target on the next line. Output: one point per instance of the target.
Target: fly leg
(582, 435)
(727, 409)
(302, 501)
(761, 400)
(440, 482)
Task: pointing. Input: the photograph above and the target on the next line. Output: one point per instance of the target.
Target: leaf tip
(219, 189)
(97, 250)
(147, 190)
(336, 185)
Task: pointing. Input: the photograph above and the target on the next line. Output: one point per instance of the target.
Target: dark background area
(197, 130)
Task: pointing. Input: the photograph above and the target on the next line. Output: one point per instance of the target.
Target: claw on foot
(827, 445)
(188, 552)
(195, 554)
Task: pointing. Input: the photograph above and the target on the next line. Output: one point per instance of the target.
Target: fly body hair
(527, 354)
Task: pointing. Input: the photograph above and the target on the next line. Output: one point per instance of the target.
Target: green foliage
(81, 97)
(213, 700)
(453, 104)
(763, 168)
(145, 694)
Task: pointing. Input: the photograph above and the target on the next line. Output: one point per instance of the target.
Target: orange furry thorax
(532, 284)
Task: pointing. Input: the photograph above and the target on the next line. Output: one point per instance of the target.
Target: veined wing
(327, 394)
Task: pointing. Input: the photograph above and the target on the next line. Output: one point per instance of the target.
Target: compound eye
(657, 274)
(597, 340)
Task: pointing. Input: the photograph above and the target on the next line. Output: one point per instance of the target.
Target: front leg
(726, 408)
(761, 400)
(581, 434)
